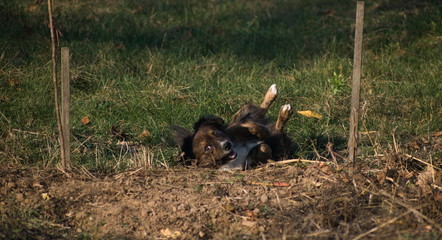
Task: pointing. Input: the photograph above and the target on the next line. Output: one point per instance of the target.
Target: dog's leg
(259, 155)
(269, 97)
(255, 129)
(284, 115)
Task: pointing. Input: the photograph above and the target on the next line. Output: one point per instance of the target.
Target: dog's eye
(207, 148)
(217, 133)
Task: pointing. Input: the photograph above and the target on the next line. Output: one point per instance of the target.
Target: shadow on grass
(280, 30)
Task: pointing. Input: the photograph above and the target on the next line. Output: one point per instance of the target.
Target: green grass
(153, 64)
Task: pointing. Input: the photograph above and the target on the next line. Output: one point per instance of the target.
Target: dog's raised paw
(286, 112)
(273, 89)
(286, 108)
(269, 97)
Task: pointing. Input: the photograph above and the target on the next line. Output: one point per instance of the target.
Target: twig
(81, 143)
(422, 161)
(381, 226)
(86, 172)
(274, 184)
(279, 201)
(29, 132)
(329, 147)
(318, 233)
(54, 78)
(294, 160)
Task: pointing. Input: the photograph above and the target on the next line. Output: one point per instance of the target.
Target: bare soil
(400, 199)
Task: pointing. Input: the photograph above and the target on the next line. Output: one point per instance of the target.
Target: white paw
(286, 108)
(237, 164)
(273, 89)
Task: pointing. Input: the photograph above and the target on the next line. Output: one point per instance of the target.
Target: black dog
(247, 140)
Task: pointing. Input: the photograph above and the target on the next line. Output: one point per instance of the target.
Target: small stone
(19, 197)
(264, 198)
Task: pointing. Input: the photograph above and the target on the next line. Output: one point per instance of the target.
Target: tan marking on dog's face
(211, 146)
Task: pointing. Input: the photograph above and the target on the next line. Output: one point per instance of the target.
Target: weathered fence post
(356, 83)
(65, 107)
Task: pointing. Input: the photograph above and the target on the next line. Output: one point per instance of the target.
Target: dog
(248, 140)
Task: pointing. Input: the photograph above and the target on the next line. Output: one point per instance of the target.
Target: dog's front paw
(237, 164)
(286, 112)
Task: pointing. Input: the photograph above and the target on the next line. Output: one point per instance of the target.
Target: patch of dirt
(315, 200)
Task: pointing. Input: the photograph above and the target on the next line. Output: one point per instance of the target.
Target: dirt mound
(303, 201)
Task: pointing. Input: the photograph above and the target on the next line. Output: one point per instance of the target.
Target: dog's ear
(183, 138)
(208, 120)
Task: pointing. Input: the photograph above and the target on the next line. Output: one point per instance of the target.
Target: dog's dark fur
(249, 139)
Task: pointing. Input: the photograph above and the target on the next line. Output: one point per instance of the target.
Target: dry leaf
(144, 134)
(85, 120)
(170, 234)
(311, 114)
(438, 134)
(45, 196)
(4, 98)
(251, 215)
(424, 180)
(281, 184)
(33, 8)
(230, 207)
(13, 82)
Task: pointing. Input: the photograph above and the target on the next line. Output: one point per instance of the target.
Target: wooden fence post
(65, 107)
(356, 83)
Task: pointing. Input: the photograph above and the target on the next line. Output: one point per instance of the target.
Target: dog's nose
(227, 146)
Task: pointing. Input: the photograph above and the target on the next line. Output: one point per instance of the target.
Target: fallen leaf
(13, 82)
(170, 234)
(438, 134)
(138, 9)
(144, 134)
(311, 114)
(424, 180)
(85, 120)
(230, 207)
(45, 196)
(281, 184)
(19, 197)
(251, 215)
(415, 145)
(328, 12)
(437, 195)
(33, 8)
(4, 98)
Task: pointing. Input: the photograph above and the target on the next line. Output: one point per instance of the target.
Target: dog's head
(209, 144)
